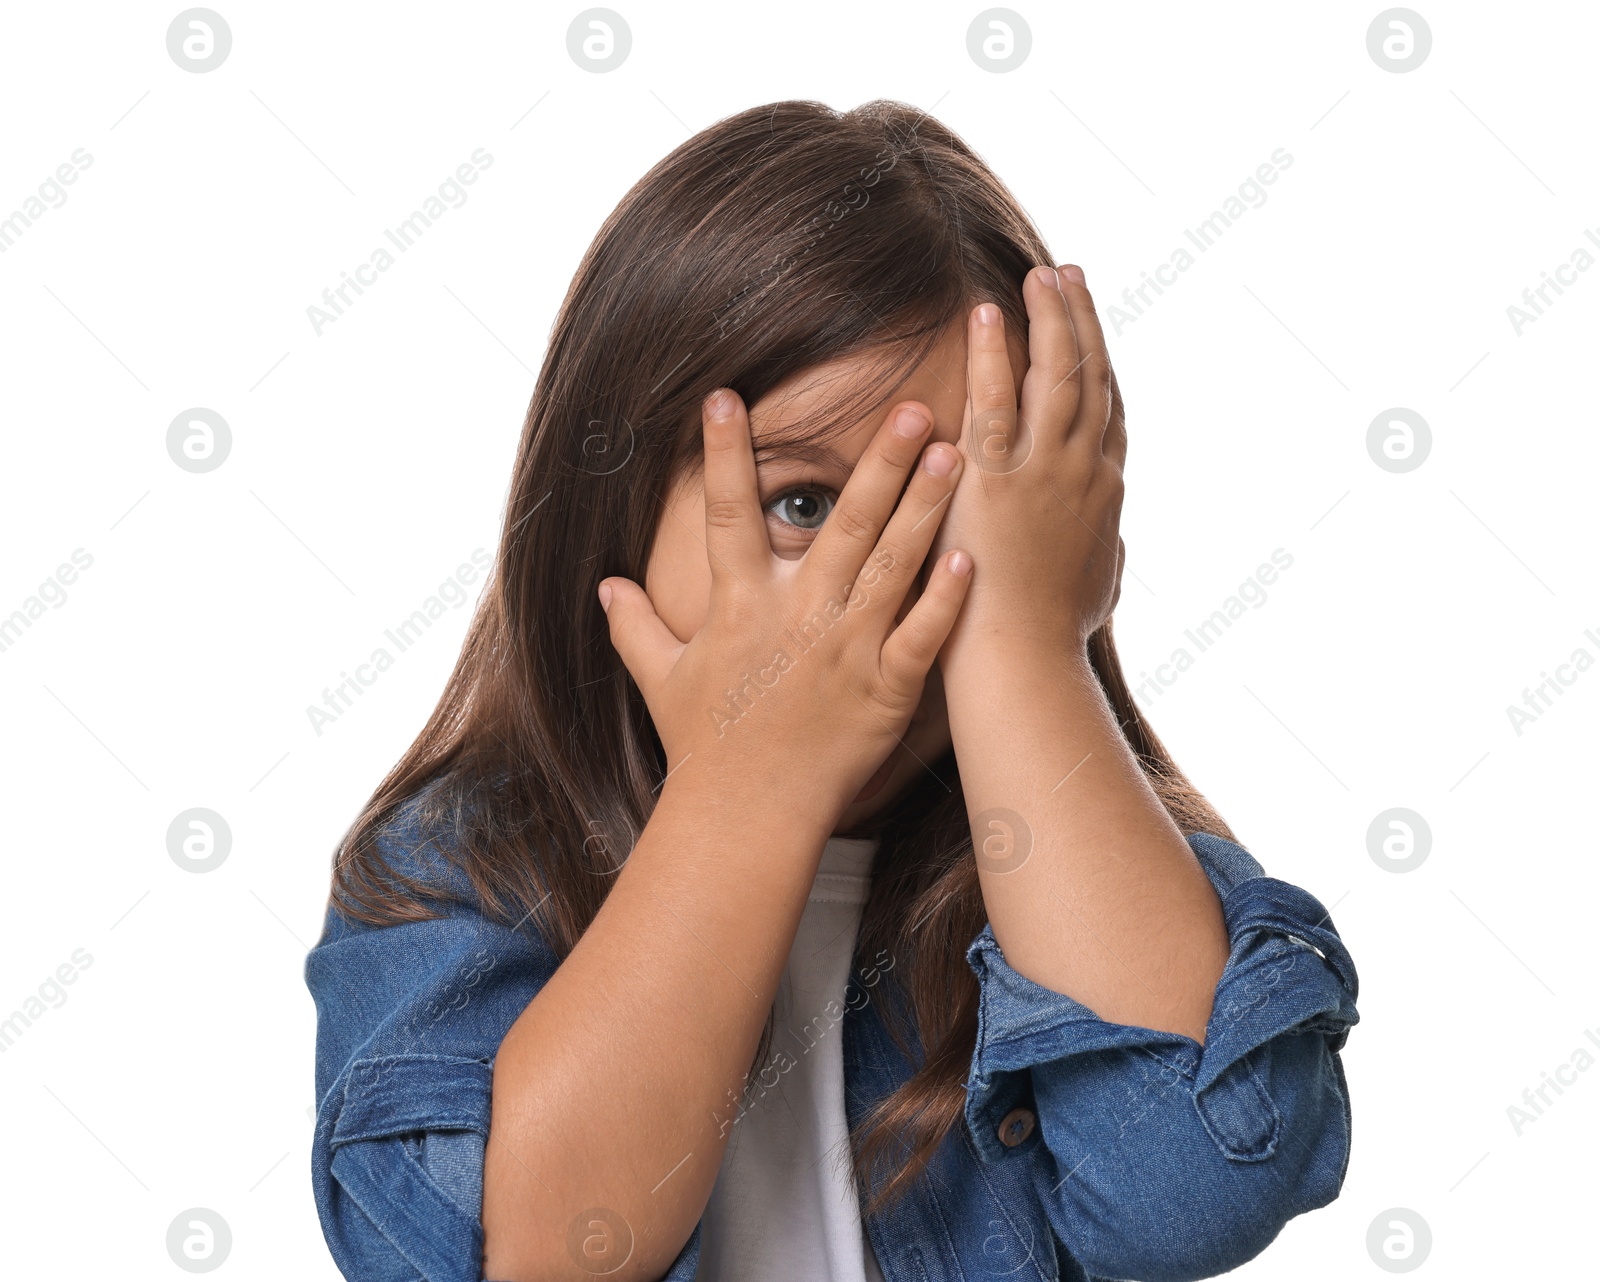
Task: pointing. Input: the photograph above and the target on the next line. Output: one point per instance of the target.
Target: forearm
(1109, 907)
(618, 1085)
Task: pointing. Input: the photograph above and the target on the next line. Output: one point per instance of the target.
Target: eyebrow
(803, 450)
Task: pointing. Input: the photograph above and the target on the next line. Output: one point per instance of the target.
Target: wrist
(1009, 674)
(749, 799)
(981, 643)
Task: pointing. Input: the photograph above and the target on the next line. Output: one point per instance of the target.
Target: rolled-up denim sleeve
(1155, 1157)
(410, 1018)
(409, 1021)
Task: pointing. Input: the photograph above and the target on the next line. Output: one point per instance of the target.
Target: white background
(369, 462)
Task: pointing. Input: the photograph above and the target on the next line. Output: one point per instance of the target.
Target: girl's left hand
(1040, 500)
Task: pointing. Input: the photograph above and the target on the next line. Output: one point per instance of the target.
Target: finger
(645, 644)
(736, 537)
(1116, 442)
(1054, 380)
(898, 559)
(991, 389)
(868, 499)
(1094, 403)
(913, 646)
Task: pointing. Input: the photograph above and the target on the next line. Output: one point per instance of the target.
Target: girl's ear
(645, 644)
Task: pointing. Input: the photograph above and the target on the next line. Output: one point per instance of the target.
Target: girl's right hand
(801, 681)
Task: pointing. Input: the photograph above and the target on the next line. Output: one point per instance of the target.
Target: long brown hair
(775, 240)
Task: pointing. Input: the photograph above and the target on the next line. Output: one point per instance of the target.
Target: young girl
(787, 885)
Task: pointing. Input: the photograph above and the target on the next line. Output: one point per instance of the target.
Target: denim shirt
(1089, 1150)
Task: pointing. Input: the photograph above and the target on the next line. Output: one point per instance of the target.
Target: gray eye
(805, 509)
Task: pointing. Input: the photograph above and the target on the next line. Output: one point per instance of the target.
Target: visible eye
(805, 507)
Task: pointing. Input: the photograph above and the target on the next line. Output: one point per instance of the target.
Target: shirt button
(1016, 1127)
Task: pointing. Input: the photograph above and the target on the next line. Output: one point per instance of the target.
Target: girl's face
(797, 495)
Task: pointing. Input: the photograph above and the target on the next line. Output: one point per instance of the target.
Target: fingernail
(1073, 272)
(1047, 276)
(910, 424)
(940, 460)
(988, 314)
(605, 596)
(720, 404)
(960, 564)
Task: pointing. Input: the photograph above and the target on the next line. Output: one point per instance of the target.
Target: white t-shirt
(784, 1204)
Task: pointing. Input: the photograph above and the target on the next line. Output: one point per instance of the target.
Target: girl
(786, 884)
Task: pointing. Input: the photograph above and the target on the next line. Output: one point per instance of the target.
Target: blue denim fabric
(1151, 1158)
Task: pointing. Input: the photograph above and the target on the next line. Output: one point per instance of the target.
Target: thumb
(645, 644)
